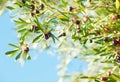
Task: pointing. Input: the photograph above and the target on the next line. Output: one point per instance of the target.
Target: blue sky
(42, 69)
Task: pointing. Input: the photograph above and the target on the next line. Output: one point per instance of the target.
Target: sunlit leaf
(117, 4)
(36, 38)
(13, 45)
(12, 53)
(18, 56)
(10, 7)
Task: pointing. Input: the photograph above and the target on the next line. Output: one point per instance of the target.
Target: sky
(41, 69)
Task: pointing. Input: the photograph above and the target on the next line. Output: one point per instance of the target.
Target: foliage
(85, 29)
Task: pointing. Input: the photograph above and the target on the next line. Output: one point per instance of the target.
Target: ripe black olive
(32, 7)
(26, 49)
(48, 35)
(77, 22)
(118, 59)
(71, 8)
(37, 12)
(42, 6)
(23, 1)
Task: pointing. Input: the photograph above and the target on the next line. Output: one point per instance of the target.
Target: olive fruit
(107, 29)
(108, 73)
(103, 79)
(32, 7)
(48, 35)
(90, 40)
(32, 1)
(77, 22)
(115, 42)
(106, 39)
(118, 59)
(119, 41)
(71, 8)
(63, 34)
(37, 12)
(86, 18)
(34, 28)
(32, 14)
(23, 1)
(115, 17)
(26, 49)
(42, 6)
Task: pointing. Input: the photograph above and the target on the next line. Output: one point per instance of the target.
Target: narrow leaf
(36, 38)
(116, 77)
(117, 4)
(38, 23)
(13, 45)
(54, 37)
(11, 8)
(29, 58)
(11, 53)
(18, 56)
(22, 30)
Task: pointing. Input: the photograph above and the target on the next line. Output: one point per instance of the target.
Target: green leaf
(111, 80)
(97, 80)
(63, 14)
(64, 19)
(66, 76)
(117, 4)
(10, 7)
(54, 37)
(49, 21)
(13, 45)
(18, 56)
(29, 58)
(84, 77)
(22, 30)
(37, 38)
(116, 77)
(84, 31)
(39, 24)
(106, 68)
(24, 35)
(23, 21)
(12, 53)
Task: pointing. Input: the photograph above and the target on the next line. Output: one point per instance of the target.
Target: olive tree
(84, 29)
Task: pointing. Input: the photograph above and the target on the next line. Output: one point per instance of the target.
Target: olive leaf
(12, 53)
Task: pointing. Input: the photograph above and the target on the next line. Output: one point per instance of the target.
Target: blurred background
(42, 67)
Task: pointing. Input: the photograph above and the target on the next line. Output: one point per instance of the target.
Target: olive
(32, 7)
(48, 35)
(32, 14)
(71, 8)
(86, 18)
(26, 49)
(91, 41)
(108, 73)
(115, 42)
(34, 28)
(23, 1)
(77, 22)
(106, 39)
(103, 78)
(37, 12)
(42, 6)
(118, 59)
